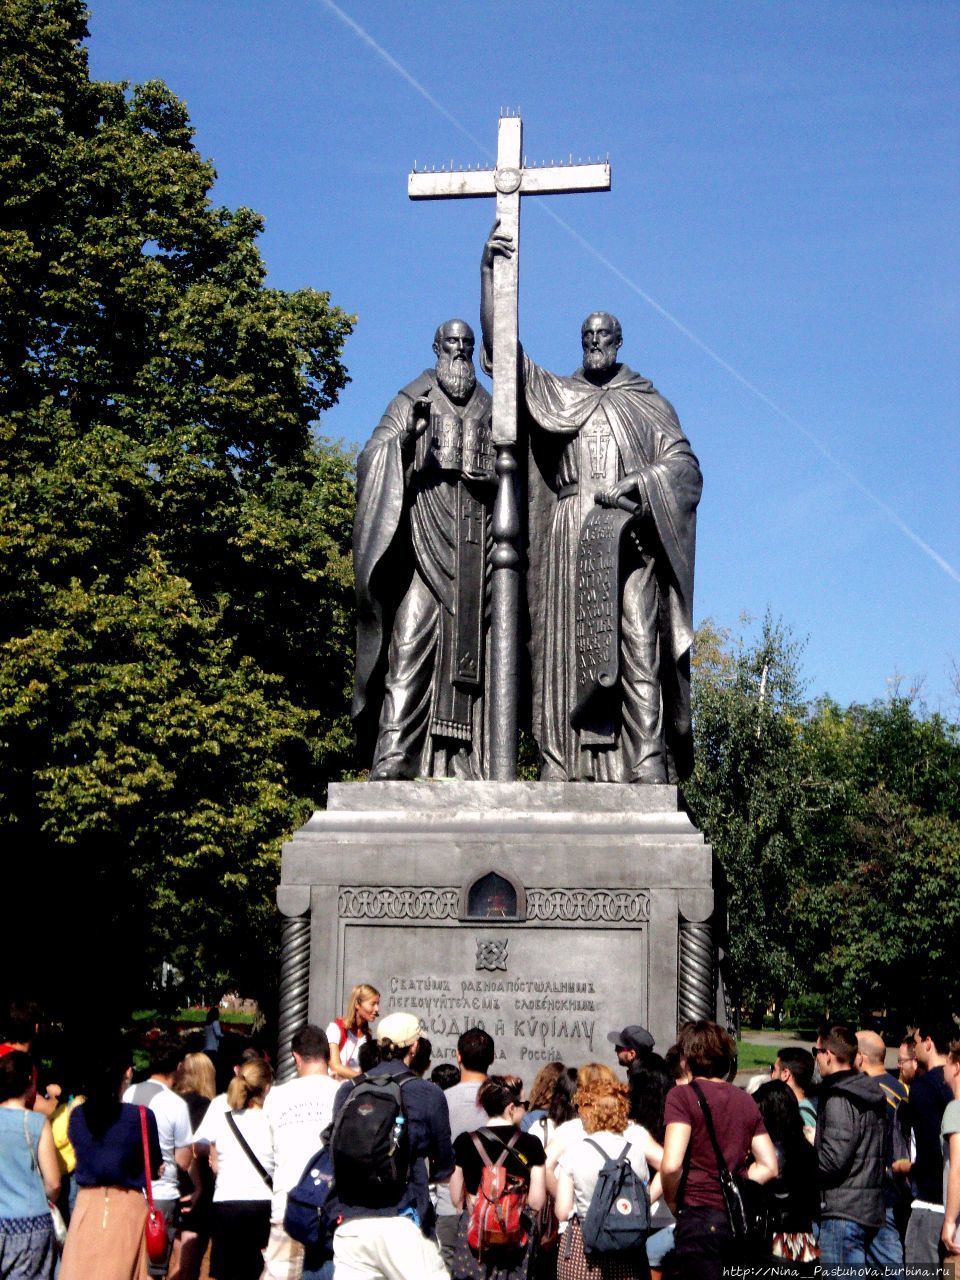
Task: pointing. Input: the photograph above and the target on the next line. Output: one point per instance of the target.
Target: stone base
(548, 912)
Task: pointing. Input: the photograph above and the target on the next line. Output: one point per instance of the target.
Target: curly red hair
(602, 1102)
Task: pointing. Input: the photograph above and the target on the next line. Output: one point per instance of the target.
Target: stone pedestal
(549, 913)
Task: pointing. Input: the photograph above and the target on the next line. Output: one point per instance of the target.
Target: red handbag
(155, 1228)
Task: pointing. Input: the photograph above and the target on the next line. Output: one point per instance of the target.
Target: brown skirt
(573, 1263)
(105, 1238)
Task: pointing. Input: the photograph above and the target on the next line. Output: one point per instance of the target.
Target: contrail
(585, 244)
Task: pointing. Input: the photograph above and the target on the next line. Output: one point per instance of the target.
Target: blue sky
(782, 227)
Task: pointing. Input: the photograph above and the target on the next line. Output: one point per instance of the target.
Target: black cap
(637, 1038)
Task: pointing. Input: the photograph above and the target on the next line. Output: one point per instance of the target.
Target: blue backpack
(304, 1219)
(619, 1214)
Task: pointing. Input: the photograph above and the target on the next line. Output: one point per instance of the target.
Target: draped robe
(422, 507)
(585, 437)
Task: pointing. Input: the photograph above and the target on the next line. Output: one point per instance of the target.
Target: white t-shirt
(564, 1136)
(465, 1117)
(237, 1179)
(174, 1130)
(351, 1048)
(583, 1162)
(297, 1112)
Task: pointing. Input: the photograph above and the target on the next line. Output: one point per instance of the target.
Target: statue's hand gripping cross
(508, 182)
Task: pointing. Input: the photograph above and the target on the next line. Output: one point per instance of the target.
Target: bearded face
(600, 338)
(599, 359)
(456, 374)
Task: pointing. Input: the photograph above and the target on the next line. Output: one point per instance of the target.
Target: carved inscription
(597, 622)
(542, 1014)
(526, 986)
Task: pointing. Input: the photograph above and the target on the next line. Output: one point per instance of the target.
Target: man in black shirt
(929, 1096)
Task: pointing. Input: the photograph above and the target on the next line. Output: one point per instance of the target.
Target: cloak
(384, 558)
(651, 445)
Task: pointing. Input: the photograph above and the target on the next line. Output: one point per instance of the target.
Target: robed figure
(425, 488)
(613, 488)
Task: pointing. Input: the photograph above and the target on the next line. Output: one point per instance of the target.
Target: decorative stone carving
(367, 902)
(596, 906)
(600, 906)
(492, 953)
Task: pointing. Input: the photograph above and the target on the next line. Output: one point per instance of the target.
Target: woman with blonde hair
(196, 1083)
(603, 1106)
(348, 1033)
(241, 1157)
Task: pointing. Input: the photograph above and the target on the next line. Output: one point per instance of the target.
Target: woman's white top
(237, 1178)
(351, 1049)
(583, 1162)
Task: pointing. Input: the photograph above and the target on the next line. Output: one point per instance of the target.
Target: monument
(549, 912)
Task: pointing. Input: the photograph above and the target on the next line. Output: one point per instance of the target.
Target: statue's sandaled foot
(391, 770)
(650, 775)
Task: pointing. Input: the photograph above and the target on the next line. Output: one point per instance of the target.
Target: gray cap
(637, 1038)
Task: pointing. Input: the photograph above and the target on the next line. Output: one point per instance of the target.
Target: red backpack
(495, 1219)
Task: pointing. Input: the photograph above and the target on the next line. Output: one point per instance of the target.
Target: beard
(598, 360)
(456, 376)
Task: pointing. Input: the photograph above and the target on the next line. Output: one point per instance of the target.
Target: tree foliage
(838, 831)
(747, 793)
(175, 583)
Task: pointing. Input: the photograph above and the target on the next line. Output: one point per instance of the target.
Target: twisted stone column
(696, 982)
(294, 982)
(696, 957)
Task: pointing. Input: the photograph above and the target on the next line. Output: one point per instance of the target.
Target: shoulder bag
(155, 1228)
(737, 1215)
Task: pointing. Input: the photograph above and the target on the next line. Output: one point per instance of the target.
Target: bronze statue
(613, 488)
(425, 488)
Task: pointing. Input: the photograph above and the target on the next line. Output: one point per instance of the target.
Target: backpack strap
(343, 1032)
(507, 1148)
(487, 1162)
(597, 1147)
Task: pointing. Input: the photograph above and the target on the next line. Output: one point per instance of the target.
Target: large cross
(510, 180)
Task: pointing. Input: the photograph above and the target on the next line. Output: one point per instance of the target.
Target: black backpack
(370, 1143)
(619, 1214)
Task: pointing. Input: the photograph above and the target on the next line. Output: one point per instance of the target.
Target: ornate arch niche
(493, 896)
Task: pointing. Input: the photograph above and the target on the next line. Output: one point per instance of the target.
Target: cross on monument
(510, 180)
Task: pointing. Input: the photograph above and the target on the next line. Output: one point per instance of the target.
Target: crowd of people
(828, 1164)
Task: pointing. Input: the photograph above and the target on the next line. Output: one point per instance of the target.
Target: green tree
(883, 894)
(748, 796)
(175, 583)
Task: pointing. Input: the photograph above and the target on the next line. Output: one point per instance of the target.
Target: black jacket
(849, 1146)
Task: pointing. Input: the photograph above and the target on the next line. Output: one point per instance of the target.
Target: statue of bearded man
(613, 488)
(425, 489)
